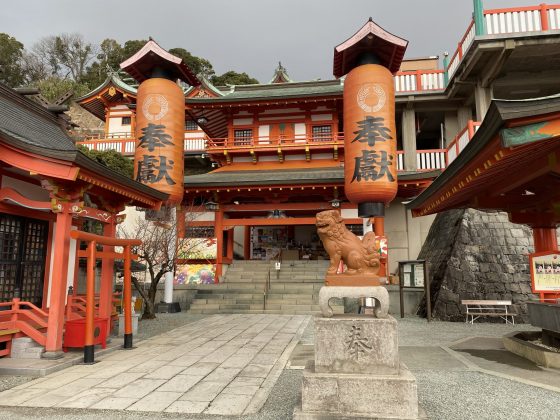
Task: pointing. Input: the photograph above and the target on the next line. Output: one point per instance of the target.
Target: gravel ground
(419, 332)
(164, 322)
(8, 381)
(472, 395)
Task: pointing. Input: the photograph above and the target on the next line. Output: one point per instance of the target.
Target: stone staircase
(293, 290)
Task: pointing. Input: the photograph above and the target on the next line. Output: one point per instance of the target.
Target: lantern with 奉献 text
(370, 147)
(160, 118)
(368, 59)
(160, 128)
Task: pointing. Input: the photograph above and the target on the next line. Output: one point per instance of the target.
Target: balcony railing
(539, 18)
(461, 140)
(127, 145)
(426, 160)
(421, 80)
(272, 142)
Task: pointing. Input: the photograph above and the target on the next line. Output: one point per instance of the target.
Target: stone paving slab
(221, 364)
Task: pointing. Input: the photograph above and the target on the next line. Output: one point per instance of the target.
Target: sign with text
(545, 271)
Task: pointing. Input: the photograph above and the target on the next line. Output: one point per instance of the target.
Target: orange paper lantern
(160, 128)
(370, 140)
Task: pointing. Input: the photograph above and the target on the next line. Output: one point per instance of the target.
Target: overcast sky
(249, 35)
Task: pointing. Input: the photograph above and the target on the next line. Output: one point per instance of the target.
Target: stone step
(253, 311)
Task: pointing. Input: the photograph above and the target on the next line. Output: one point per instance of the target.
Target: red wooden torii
(92, 254)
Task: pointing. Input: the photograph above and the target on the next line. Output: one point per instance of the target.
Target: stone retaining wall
(477, 255)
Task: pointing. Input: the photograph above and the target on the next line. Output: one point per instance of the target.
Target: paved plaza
(224, 364)
(250, 367)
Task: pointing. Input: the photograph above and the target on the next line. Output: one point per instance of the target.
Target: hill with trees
(57, 64)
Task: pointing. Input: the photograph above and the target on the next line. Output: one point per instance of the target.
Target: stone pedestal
(356, 372)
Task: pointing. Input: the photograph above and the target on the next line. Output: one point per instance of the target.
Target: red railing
(461, 140)
(76, 307)
(25, 317)
(539, 18)
(127, 146)
(462, 48)
(272, 142)
(420, 80)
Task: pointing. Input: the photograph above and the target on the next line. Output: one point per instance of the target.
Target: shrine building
(261, 160)
(48, 190)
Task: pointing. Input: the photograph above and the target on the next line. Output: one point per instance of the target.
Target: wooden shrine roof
(152, 55)
(96, 101)
(373, 38)
(27, 126)
(302, 176)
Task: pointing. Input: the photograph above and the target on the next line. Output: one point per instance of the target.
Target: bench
(478, 308)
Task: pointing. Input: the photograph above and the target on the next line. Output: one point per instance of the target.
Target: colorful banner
(197, 249)
(195, 274)
(545, 272)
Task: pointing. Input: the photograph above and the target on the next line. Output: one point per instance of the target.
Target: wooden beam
(317, 206)
(286, 221)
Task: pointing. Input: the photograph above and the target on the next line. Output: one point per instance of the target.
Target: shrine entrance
(23, 252)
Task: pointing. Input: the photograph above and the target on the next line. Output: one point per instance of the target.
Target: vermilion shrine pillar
(107, 273)
(247, 243)
(229, 249)
(545, 239)
(219, 233)
(57, 300)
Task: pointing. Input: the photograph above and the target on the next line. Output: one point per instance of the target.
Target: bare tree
(158, 252)
(65, 55)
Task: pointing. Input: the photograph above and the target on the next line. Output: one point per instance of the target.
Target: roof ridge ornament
(369, 39)
(280, 75)
(152, 57)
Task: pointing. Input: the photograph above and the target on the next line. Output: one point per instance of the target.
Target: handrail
(34, 319)
(297, 140)
(266, 289)
(118, 135)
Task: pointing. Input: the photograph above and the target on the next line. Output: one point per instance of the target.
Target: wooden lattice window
(23, 248)
(190, 125)
(242, 137)
(321, 132)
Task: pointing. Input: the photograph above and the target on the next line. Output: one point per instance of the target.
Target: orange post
(57, 300)
(544, 17)
(127, 299)
(229, 248)
(545, 239)
(93, 240)
(90, 304)
(107, 272)
(247, 243)
(379, 226)
(219, 232)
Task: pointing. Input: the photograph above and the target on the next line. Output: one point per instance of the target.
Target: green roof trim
(278, 90)
(112, 78)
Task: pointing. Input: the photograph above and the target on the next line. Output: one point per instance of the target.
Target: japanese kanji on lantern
(370, 150)
(160, 120)
(369, 58)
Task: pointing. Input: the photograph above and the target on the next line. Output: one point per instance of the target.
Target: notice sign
(545, 271)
